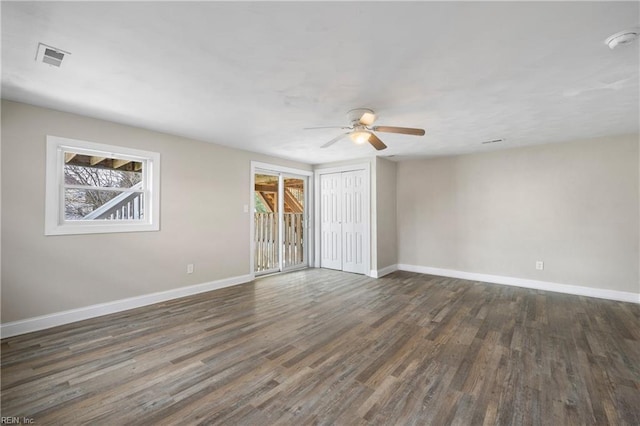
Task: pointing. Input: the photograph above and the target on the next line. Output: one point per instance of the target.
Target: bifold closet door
(330, 221)
(353, 221)
(342, 226)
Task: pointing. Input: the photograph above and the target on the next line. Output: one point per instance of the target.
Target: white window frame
(55, 223)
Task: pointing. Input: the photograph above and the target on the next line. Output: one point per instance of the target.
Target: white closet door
(353, 224)
(342, 221)
(330, 221)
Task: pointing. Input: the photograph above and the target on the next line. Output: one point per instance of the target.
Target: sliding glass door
(280, 240)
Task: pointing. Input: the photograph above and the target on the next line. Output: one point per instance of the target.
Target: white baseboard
(384, 271)
(59, 318)
(622, 296)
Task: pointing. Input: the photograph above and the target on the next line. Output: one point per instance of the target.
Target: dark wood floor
(325, 347)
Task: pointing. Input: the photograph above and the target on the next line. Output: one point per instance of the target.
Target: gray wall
(386, 241)
(574, 206)
(204, 188)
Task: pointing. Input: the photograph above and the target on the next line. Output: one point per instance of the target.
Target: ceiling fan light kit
(360, 137)
(361, 131)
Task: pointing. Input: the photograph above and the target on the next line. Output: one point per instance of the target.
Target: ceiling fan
(361, 130)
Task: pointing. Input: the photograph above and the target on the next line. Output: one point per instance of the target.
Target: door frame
(257, 166)
(367, 210)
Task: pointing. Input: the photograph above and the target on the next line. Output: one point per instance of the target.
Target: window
(97, 188)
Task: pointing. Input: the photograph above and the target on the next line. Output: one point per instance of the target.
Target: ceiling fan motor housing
(355, 114)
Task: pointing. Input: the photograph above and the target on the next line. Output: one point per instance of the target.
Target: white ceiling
(252, 75)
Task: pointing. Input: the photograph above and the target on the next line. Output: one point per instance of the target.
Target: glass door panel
(293, 232)
(266, 224)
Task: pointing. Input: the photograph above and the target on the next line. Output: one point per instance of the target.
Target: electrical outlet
(539, 265)
(190, 268)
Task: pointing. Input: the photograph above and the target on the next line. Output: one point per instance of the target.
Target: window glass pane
(101, 172)
(89, 204)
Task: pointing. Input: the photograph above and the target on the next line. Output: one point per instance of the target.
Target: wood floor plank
(326, 347)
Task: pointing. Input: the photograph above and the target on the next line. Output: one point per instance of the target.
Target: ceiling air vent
(50, 55)
(492, 141)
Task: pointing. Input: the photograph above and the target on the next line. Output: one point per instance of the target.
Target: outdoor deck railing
(125, 206)
(266, 240)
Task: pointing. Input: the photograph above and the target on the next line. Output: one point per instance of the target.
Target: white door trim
(266, 167)
(367, 210)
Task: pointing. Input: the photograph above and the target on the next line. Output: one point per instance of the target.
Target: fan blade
(328, 127)
(403, 130)
(367, 119)
(377, 143)
(334, 140)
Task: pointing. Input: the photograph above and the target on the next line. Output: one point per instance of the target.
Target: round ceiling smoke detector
(622, 37)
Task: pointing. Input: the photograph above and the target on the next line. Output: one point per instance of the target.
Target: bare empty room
(337, 213)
